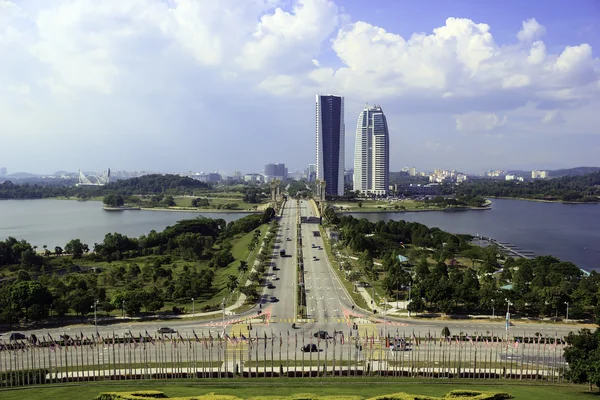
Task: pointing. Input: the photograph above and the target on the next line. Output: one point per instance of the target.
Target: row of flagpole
(144, 356)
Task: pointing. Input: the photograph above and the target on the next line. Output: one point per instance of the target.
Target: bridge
(94, 180)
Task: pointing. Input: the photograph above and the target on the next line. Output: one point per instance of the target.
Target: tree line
(583, 188)
(481, 283)
(173, 265)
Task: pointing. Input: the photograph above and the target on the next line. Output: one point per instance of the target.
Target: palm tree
(232, 282)
(243, 267)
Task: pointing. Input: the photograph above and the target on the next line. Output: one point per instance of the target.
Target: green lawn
(186, 201)
(244, 388)
(377, 205)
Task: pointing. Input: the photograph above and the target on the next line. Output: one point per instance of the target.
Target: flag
(195, 336)
(265, 340)
(470, 338)
(280, 340)
(226, 337)
(342, 338)
(244, 338)
(516, 344)
(296, 340)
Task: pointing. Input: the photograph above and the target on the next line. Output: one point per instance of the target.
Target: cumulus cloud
(107, 67)
(479, 122)
(531, 30)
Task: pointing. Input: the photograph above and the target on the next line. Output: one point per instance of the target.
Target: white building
(330, 143)
(513, 178)
(539, 174)
(372, 152)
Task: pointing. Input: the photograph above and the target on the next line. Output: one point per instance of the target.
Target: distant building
(412, 171)
(418, 190)
(539, 174)
(372, 152)
(311, 172)
(237, 176)
(3, 171)
(207, 178)
(330, 132)
(513, 178)
(275, 172)
(256, 178)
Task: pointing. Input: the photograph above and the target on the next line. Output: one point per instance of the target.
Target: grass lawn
(379, 205)
(356, 297)
(186, 201)
(365, 387)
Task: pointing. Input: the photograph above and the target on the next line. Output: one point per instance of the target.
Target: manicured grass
(218, 201)
(378, 205)
(356, 297)
(244, 388)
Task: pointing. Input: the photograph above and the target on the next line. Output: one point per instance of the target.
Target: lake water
(570, 232)
(55, 222)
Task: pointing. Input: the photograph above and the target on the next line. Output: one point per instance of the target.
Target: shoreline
(539, 200)
(201, 210)
(453, 209)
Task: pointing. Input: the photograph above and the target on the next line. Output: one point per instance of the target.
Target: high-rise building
(275, 171)
(539, 174)
(311, 172)
(2, 171)
(412, 171)
(330, 143)
(372, 152)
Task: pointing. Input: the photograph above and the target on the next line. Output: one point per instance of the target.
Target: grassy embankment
(244, 388)
(382, 206)
(212, 298)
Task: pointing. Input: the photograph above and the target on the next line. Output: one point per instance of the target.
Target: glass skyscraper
(372, 152)
(330, 143)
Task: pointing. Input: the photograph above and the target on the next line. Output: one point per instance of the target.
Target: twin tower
(371, 152)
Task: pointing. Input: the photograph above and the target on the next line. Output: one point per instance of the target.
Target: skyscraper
(330, 143)
(372, 152)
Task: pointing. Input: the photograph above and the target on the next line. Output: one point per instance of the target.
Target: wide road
(326, 298)
(282, 277)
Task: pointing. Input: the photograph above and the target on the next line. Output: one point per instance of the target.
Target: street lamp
(508, 304)
(123, 310)
(407, 304)
(223, 311)
(493, 311)
(193, 306)
(95, 306)
(567, 303)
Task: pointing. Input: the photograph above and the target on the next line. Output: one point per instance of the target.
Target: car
(275, 268)
(313, 245)
(288, 239)
(310, 348)
(166, 330)
(315, 258)
(17, 336)
(275, 277)
(273, 299)
(400, 347)
(270, 286)
(322, 335)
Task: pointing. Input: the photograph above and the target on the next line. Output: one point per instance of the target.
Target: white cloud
(531, 30)
(478, 122)
(130, 69)
(553, 117)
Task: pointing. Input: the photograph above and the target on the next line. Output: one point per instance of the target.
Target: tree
(360, 204)
(243, 267)
(583, 357)
(232, 282)
(446, 332)
(58, 250)
(113, 200)
(75, 247)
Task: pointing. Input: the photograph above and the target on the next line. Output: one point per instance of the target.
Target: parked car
(310, 348)
(275, 277)
(274, 299)
(322, 335)
(166, 330)
(315, 258)
(270, 286)
(17, 336)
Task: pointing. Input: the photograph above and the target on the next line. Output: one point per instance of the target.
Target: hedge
(455, 395)
(27, 377)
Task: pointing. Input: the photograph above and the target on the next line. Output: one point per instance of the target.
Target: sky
(205, 85)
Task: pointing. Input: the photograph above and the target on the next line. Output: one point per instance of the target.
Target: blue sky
(200, 85)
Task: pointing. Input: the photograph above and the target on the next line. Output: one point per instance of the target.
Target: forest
(583, 188)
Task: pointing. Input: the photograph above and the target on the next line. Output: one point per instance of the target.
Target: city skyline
(372, 152)
(474, 86)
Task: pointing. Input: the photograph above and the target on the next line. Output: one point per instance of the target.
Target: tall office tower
(330, 143)
(3, 171)
(372, 152)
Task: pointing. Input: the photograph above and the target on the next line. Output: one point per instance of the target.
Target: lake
(570, 232)
(55, 222)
